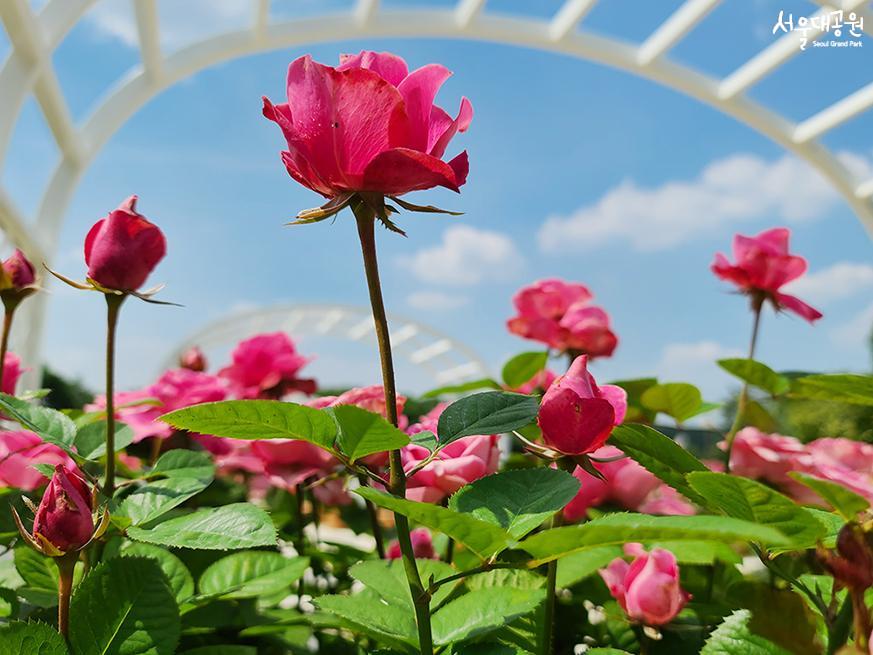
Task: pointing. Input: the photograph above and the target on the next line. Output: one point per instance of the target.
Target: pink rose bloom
(847, 453)
(11, 372)
(138, 411)
(231, 454)
(762, 266)
(666, 501)
(540, 381)
(371, 398)
(459, 463)
(767, 457)
(593, 492)
(193, 359)
(576, 416)
(422, 545)
(266, 366)
(289, 462)
(558, 314)
(18, 271)
(64, 516)
(19, 451)
(648, 588)
(368, 125)
(122, 249)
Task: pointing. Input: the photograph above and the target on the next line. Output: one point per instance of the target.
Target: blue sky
(577, 171)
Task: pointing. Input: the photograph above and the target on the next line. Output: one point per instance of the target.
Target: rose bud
(648, 588)
(64, 520)
(17, 279)
(193, 359)
(422, 545)
(852, 564)
(576, 416)
(122, 249)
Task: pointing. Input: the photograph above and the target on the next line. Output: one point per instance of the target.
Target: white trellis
(29, 69)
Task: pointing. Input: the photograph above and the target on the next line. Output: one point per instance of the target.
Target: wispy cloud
(465, 257)
(856, 331)
(732, 190)
(695, 362)
(842, 280)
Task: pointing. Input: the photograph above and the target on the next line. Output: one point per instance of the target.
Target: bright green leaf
(388, 579)
(482, 611)
(231, 527)
(473, 385)
(518, 501)
(363, 433)
(578, 566)
(843, 500)
(491, 412)
(153, 500)
(178, 576)
(51, 425)
(852, 389)
(251, 574)
(40, 576)
(180, 463)
(679, 400)
(733, 637)
(20, 638)
(523, 367)
(91, 439)
(756, 374)
(390, 624)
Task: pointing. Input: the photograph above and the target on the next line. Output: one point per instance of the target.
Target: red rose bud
(64, 520)
(122, 249)
(18, 271)
(193, 359)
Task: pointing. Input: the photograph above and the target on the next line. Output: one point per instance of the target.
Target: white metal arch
(445, 360)
(34, 38)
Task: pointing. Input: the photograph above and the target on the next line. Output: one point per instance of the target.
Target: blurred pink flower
(540, 381)
(576, 416)
(558, 314)
(11, 373)
(459, 463)
(648, 588)
(769, 457)
(368, 125)
(762, 266)
(422, 545)
(266, 366)
(19, 451)
(289, 462)
(18, 271)
(122, 249)
(193, 359)
(371, 398)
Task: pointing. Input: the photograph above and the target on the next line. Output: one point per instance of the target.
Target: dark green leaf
(852, 389)
(390, 624)
(231, 527)
(425, 439)
(491, 649)
(676, 399)
(659, 454)
(756, 374)
(363, 433)
(178, 576)
(257, 419)
(20, 638)
(222, 650)
(733, 637)
(482, 611)
(40, 576)
(388, 579)
(492, 412)
(843, 500)
(251, 574)
(124, 607)
(518, 501)
(523, 367)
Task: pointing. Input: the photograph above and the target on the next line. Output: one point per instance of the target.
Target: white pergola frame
(29, 69)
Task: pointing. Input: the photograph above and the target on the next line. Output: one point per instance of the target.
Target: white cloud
(466, 256)
(842, 280)
(738, 188)
(856, 331)
(436, 300)
(695, 363)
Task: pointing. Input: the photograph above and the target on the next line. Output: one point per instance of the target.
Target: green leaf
(492, 412)
(733, 637)
(425, 439)
(388, 579)
(852, 389)
(222, 650)
(636, 412)
(178, 576)
(481, 537)
(578, 566)
(90, 440)
(491, 649)
(679, 400)
(620, 528)
(257, 419)
(155, 499)
(482, 611)
(231, 527)
(40, 575)
(752, 501)
(518, 501)
(20, 638)
(363, 433)
(124, 607)
(390, 624)
(523, 367)
(757, 374)
(473, 385)
(251, 574)
(51, 425)
(180, 463)
(843, 500)
(660, 455)
(698, 552)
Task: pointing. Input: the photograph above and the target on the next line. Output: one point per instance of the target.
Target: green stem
(743, 400)
(113, 304)
(4, 341)
(66, 566)
(551, 585)
(366, 221)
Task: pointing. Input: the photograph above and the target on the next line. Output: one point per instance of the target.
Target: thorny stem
(4, 342)
(743, 400)
(366, 221)
(113, 304)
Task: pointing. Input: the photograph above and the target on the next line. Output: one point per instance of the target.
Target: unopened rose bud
(852, 564)
(17, 279)
(193, 359)
(64, 517)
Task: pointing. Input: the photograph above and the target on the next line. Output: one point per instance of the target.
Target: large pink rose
(368, 125)
(19, 451)
(122, 249)
(559, 314)
(648, 588)
(459, 463)
(576, 416)
(266, 366)
(762, 266)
